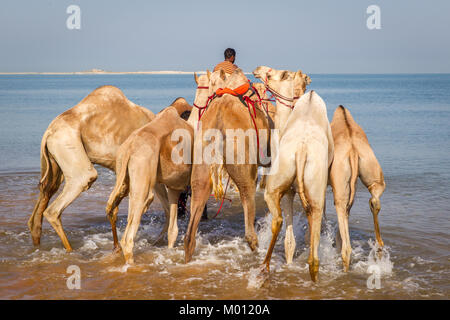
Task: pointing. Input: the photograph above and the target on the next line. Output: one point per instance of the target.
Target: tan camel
(89, 133)
(305, 153)
(284, 104)
(353, 157)
(207, 84)
(226, 112)
(145, 159)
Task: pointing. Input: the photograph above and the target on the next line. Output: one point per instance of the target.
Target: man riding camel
(228, 64)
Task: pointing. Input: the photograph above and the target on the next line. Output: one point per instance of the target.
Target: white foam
(255, 281)
(89, 245)
(121, 269)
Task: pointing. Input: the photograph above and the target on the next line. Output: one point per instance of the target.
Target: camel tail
(215, 174)
(354, 162)
(120, 186)
(45, 163)
(300, 160)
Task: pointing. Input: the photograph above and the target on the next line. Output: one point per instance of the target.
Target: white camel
(286, 97)
(305, 154)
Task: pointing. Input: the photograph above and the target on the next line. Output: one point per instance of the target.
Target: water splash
(379, 259)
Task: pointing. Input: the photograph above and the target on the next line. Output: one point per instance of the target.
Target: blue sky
(320, 36)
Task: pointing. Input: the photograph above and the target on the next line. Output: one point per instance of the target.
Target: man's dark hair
(229, 53)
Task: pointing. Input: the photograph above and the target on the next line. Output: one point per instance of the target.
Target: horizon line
(177, 72)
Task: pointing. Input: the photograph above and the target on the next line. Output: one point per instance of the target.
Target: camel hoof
(116, 250)
(252, 243)
(36, 241)
(314, 272)
(380, 253)
(263, 275)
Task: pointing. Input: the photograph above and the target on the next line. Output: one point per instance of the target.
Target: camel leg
(161, 193)
(289, 239)
(201, 189)
(272, 199)
(47, 190)
(111, 212)
(371, 175)
(142, 175)
(376, 190)
(71, 191)
(314, 176)
(346, 249)
(119, 192)
(173, 226)
(79, 174)
(275, 187)
(315, 225)
(245, 178)
(340, 180)
(112, 219)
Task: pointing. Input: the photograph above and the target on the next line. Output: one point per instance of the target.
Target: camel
(353, 157)
(304, 156)
(89, 133)
(284, 107)
(207, 84)
(145, 159)
(226, 112)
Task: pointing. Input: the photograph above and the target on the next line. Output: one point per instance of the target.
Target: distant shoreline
(102, 72)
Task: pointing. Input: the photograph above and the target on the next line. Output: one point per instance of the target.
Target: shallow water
(406, 120)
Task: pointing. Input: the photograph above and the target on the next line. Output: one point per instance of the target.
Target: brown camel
(353, 157)
(89, 133)
(147, 158)
(223, 115)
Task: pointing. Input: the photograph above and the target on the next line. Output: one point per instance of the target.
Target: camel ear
(299, 74)
(196, 78)
(284, 75)
(208, 74)
(307, 79)
(222, 74)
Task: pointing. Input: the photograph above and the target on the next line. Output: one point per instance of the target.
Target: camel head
(280, 81)
(236, 79)
(218, 79)
(202, 92)
(301, 80)
(182, 107)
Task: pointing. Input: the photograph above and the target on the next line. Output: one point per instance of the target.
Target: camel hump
(344, 125)
(343, 121)
(108, 92)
